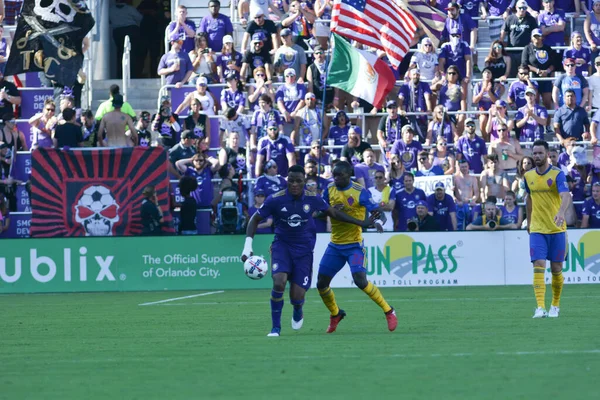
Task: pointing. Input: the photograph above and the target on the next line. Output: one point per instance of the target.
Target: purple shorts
(297, 264)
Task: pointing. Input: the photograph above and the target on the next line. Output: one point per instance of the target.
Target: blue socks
(297, 309)
(276, 307)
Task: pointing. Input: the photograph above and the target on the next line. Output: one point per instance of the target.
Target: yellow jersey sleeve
(348, 201)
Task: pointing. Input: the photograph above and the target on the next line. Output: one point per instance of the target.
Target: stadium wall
(213, 262)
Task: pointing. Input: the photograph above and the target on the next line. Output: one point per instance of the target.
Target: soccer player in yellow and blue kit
(347, 245)
(547, 201)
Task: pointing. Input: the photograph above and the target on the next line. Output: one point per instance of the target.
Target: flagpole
(323, 106)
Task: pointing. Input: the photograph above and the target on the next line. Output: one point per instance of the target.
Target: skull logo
(97, 211)
(58, 10)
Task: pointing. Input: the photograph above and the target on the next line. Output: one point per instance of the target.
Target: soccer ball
(256, 267)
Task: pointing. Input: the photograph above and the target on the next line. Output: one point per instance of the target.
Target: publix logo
(402, 255)
(43, 269)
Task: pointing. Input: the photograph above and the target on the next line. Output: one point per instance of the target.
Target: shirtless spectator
(466, 192)
(507, 151)
(493, 182)
(114, 124)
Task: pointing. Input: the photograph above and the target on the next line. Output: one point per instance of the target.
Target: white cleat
(296, 325)
(540, 313)
(275, 332)
(553, 313)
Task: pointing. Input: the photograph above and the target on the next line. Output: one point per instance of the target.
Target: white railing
(126, 67)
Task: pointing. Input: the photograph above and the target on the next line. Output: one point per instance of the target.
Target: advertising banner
(582, 264)
(17, 228)
(22, 166)
(425, 259)
(427, 183)
(32, 101)
(127, 264)
(95, 192)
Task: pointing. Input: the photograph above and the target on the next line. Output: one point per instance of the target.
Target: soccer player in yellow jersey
(547, 201)
(347, 245)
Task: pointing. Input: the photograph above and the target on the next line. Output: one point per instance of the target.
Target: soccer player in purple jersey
(295, 238)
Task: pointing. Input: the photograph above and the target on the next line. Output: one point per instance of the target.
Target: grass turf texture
(451, 343)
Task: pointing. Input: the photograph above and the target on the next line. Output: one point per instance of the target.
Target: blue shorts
(297, 264)
(337, 255)
(551, 247)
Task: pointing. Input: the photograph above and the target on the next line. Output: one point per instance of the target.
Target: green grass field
(451, 343)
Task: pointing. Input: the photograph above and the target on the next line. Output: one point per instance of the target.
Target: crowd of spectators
(449, 115)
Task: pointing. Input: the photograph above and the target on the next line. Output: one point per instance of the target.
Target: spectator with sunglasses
(453, 96)
(258, 56)
(290, 55)
(517, 31)
(471, 148)
(260, 87)
(570, 80)
(265, 27)
(315, 76)
(531, 119)
(277, 148)
(266, 225)
(143, 132)
(270, 182)
(581, 55)
(443, 157)
(456, 53)
(540, 60)
(507, 151)
(498, 61)
(42, 136)
(516, 90)
(497, 116)
(425, 59)
(426, 167)
(290, 98)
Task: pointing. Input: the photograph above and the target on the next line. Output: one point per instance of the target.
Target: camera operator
(490, 220)
(423, 222)
(151, 213)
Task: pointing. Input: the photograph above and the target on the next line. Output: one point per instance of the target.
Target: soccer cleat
(275, 332)
(553, 313)
(392, 319)
(540, 313)
(296, 325)
(335, 320)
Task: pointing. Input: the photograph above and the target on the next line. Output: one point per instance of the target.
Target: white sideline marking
(179, 298)
(394, 300)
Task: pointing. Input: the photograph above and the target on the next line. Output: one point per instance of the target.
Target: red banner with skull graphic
(94, 192)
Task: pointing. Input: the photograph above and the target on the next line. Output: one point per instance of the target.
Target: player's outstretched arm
(250, 232)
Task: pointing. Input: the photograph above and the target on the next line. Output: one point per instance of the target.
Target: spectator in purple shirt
(176, 65)
(203, 168)
(531, 119)
(516, 91)
(215, 25)
(270, 182)
(183, 27)
(415, 96)
(552, 24)
(232, 96)
(275, 147)
(406, 203)
(370, 167)
(266, 225)
(464, 23)
(471, 148)
(591, 209)
(442, 207)
(581, 55)
(456, 52)
(407, 148)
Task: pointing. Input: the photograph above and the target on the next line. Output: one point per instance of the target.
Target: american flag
(381, 24)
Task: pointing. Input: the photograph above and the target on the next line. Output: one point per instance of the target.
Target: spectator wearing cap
(185, 149)
(166, 123)
(456, 53)
(270, 181)
(424, 222)
(571, 120)
(367, 169)
(300, 19)
(176, 65)
(571, 80)
(415, 96)
(258, 56)
(354, 149)
(235, 122)
(453, 96)
(491, 214)
(464, 23)
(426, 167)
(497, 115)
(142, 127)
(407, 148)
(203, 60)
(471, 148)
(384, 195)
(266, 225)
(275, 147)
(317, 154)
(202, 95)
(315, 76)
(388, 130)
(441, 206)
(232, 96)
(113, 127)
(308, 123)
(552, 23)
(531, 119)
(590, 27)
(266, 27)
(216, 25)
(263, 116)
(407, 199)
(581, 55)
(591, 209)
(201, 167)
(234, 154)
(425, 59)
(182, 27)
(516, 90)
(290, 98)
(199, 123)
(540, 60)
(516, 32)
(229, 60)
(290, 55)
(106, 106)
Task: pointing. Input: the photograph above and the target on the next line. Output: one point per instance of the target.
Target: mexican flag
(359, 72)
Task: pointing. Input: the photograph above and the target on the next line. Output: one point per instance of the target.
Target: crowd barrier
(185, 263)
